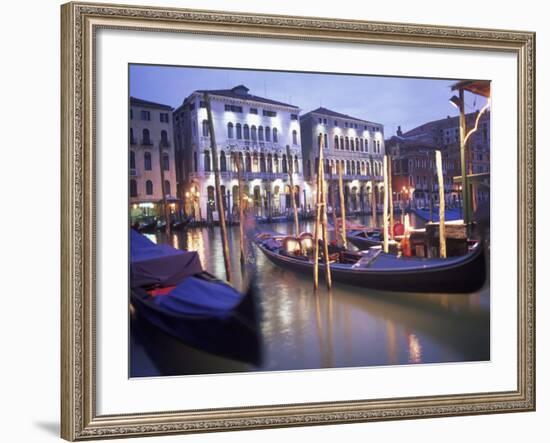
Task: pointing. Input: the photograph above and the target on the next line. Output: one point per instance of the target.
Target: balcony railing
(134, 172)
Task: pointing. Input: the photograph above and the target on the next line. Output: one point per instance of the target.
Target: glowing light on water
(415, 349)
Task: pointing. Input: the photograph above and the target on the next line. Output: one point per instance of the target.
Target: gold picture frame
(80, 21)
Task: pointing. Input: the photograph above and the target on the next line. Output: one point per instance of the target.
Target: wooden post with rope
(219, 196)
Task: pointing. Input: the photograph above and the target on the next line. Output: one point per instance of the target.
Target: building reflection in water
(346, 327)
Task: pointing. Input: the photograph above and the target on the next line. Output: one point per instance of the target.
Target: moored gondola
(170, 290)
(377, 270)
(365, 239)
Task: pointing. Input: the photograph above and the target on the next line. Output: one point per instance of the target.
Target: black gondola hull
(233, 335)
(467, 275)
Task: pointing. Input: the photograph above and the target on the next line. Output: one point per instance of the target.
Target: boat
(377, 270)
(451, 214)
(170, 290)
(146, 226)
(365, 238)
(180, 225)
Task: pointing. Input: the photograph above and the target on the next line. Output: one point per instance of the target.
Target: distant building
(253, 128)
(151, 133)
(356, 144)
(413, 157)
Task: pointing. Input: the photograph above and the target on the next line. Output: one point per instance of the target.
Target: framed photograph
(282, 221)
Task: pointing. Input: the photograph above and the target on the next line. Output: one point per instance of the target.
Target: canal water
(300, 329)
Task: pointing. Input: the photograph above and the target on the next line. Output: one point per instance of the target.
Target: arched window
(326, 141)
(348, 167)
(230, 130)
(205, 129)
(145, 137)
(261, 133)
(267, 134)
(347, 143)
(276, 163)
(352, 145)
(294, 137)
(362, 146)
(356, 144)
(132, 160)
(132, 141)
(285, 168)
(342, 142)
(269, 163)
(164, 138)
(167, 190)
(296, 165)
(195, 162)
(147, 161)
(223, 162)
(366, 145)
(262, 161)
(246, 132)
(207, 166)
(248, 162)
(336, 142)
(149, 187)
(166, 162)
(275, 138)
(254, 133)
(319, 138)
(133, 188)
(239, 131)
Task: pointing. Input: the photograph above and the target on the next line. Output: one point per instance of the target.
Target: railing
(134, 172)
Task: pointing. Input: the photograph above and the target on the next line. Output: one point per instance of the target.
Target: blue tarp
(195, 296)
(159, 265)
(450, 214)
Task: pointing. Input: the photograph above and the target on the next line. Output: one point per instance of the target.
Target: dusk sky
(392, 101)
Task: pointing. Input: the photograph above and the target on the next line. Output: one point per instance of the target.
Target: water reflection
(345, 327)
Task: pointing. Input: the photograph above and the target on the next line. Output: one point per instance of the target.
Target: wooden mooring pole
(219, 196)
(342, 206)
(239, 164)
(441, 185)
(290, 170)
(385, 216)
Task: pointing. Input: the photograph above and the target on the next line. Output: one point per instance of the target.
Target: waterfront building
(356, 144)
(414, 173)
(150, 137)
(255, 129)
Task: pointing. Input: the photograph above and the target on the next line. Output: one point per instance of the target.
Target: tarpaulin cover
(159, 265)
(195, 296)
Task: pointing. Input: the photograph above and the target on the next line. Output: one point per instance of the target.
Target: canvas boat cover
(195, 296)
(159, 265)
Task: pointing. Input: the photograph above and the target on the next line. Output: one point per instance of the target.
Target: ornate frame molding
(79, 23)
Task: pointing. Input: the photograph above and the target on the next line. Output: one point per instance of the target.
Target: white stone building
(151, 132)
(355, 143)
(256, 128)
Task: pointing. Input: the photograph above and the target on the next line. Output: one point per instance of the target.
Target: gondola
(364, 239)
(376, 270)
(147, 227)
(180, 225)
(170, 289)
